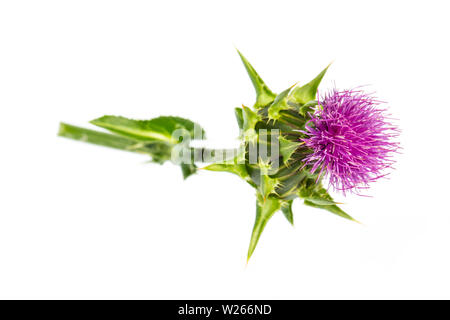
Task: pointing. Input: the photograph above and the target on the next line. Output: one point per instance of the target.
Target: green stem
(102, 138)
(129, 144)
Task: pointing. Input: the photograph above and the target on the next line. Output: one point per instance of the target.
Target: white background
(82, 221)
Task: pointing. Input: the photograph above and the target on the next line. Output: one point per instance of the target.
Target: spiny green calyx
(271, 157)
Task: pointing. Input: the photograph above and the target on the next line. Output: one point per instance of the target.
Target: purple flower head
(351, 139)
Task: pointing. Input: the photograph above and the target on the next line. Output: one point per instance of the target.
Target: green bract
(273, 124)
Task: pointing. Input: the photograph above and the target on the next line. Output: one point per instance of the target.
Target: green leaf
(308, 92)
(264, 95)
(280, 103)
(158, 129)
(188, 169)
(156, 137)
(248, 127)
(287, 148)
(289, 169)
(286, 208)
(96, 137)
(239, 117)
(159, 151)
(250, 118)
(331, 208)
(288, 186)
(267, 185)
(316, 196)
(307, 108)
(264, 211)
(235, 168)
(320, 201)
(315, 193)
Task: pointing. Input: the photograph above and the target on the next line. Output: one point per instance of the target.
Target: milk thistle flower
(291, 143)
(351, 139)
